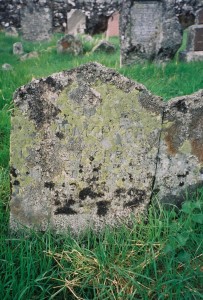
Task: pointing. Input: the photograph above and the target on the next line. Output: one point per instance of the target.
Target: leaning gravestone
(149, 30)
(194, 48)
(36, 22)
(84, 145)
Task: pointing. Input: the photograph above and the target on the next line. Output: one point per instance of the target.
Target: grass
(157, 257)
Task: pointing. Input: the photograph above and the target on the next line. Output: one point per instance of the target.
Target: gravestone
(36, 22)
(150, 30)
(76, 22)
(113, 25)
(194, 48)
(84, 145)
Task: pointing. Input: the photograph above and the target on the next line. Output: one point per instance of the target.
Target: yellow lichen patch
(186, 147)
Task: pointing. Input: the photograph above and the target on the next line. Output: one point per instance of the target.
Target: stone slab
(83, 150)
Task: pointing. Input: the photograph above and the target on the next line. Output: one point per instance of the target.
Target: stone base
(189, 56)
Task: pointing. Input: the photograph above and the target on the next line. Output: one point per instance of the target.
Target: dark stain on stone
(123, 179)
(119, 192)
(16, 182)
(181, 184)
(102, 208)
(130, 177)
(13, 172)
(96, 169)
(63, 184)
(49, 184)
(201, 170)
(87, 192)
(181, 106)
(27, 173)
(66, 209)
(91, 158)
(80, 170)
(57, 202)
(138, 197)
(183, 175)
(59, 135)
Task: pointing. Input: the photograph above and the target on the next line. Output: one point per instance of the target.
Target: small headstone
(84, 145)
(11, 31)
(6, 67)
(104, 46)
(70, 44)
(113, 25)
(194, 48)
(18, 48)
(76, 22)
(36, 22)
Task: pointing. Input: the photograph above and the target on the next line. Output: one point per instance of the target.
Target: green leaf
(182, 238)
(198, 218)
(184, 256)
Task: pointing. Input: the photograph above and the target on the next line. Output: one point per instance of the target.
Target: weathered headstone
(194, 48)
(70, 44)
(36, 22)
(84, 145)
(150, 30)
(113, 25)
(180, 164)
(76, 22)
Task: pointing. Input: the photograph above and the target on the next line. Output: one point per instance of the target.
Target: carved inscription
(146, 22)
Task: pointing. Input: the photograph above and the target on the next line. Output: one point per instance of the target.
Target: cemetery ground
(159, 256)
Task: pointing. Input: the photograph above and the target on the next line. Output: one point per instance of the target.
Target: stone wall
(96, 11)
(10, 11)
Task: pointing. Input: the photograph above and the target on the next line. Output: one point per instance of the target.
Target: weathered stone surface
(150, 30)
(70, 44)
(36, 22)
(83, 149)
(104, 46)
(180, 167)
(18, 48)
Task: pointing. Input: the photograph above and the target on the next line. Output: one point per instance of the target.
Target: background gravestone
(194, 48)
(84, 145)
(113, 25)
(36, 22)
(150, 30)
(76, 22)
